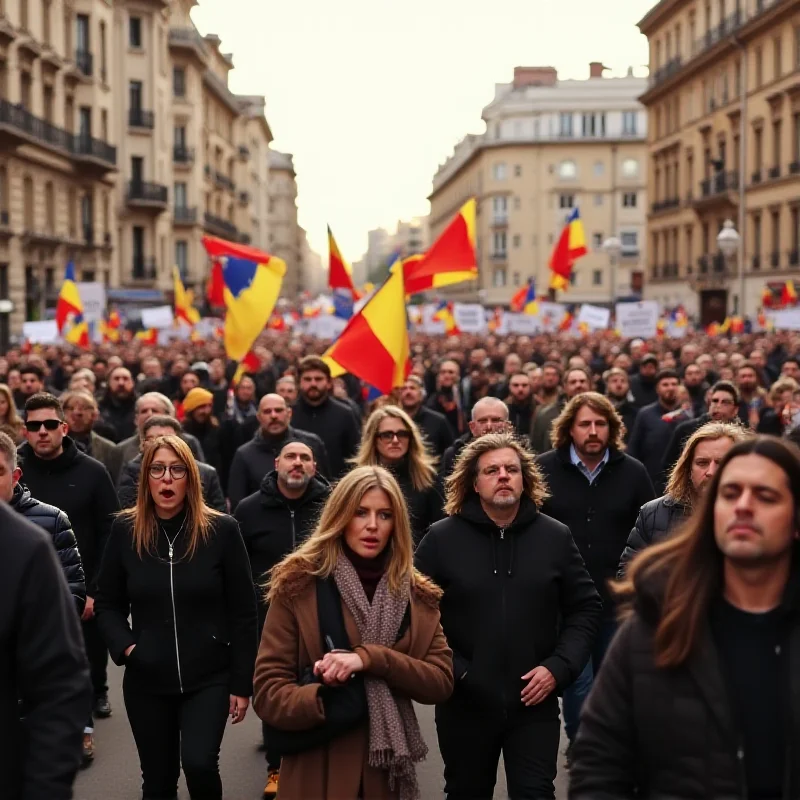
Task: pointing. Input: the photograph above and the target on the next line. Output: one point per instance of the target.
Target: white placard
(637, 320)
(431, 326)
(93, 297)
(503, 328)
(158, 317)
(523, 323)
(469, 317)
(596, 317)
(42, 332)
(550, 315)
(326, 326)
(785, 319)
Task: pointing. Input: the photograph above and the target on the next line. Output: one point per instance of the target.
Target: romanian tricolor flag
(451, 258)
(571, 245)
(661, 328)
(767, 297)
(252, 281)
(148, 336)
(678, 317)
(215, 288)
(496, 320)
(184, 312)
(374, 346)
(110, 328)
(444, 313)
(737, 325)
(249, 363)
(69, 311)
(567, 320)
(713, 329)
(277, 322)
(524, 300)
(788, 294)
(340, 273)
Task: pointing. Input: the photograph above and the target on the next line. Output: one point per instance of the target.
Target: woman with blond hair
(392, 440)
(8, 413)
(180, 571)
(349, 617)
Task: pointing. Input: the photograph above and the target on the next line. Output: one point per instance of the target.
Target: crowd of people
(529, 527)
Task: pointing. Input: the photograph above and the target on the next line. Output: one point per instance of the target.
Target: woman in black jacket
(180, 570)
(392, 440)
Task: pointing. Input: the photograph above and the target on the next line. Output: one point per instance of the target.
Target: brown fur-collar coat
(420, 666)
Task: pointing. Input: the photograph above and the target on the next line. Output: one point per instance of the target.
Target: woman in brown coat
(391, 616)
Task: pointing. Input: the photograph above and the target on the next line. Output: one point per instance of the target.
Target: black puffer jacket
(656, 520)
(54, 521)
(452, 453)
(425, 506)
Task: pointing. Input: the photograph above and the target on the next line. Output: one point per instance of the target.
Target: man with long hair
(519, 611)
(688, 479)
(698, 695)
(596, 490)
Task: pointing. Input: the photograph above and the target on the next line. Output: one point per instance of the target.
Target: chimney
(535, 76)
(596, 69)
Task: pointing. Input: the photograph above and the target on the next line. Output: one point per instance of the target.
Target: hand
(540, 685)
(338, 667)
(238, 708)
(129, 650)
(88, 609)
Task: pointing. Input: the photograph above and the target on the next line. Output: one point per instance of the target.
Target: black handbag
(345, 706)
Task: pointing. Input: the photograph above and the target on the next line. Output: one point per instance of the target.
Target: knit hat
(195, 398)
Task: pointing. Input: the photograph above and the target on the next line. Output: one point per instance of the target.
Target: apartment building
(550, 146)
(57, 163)
(724, 108)
(254, 152)
(285, 235)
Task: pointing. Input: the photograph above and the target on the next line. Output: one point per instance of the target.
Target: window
(629, 241)
(594, 125)
(180, 195)
(597, 241)
(797, 47)
(82, 33)
(85, 123)
(776, 237)
(565, 124)
(796, 137)
(137, 169)
(567, 170)
(777, 57)
(757, 235)
(517, 170)
(598, 199)
(23, 14)
(499, 241)
(135, 92)
(517, 279)
(573, 278)
(179, 81)
(517, 240)
(25, 87)
(759, 62)
(135, 32)
(758, 148)
(566, 200)
(629, 200)
(630, 167)
(138, 251)
(103, 70)
(517, 203)
(87, 214)
(597, 277)
(599, 167)
(182, 258)
(499, 171)
(776, 144)
(500, 209)
(48, 103)
(50, 206)
(499, 278)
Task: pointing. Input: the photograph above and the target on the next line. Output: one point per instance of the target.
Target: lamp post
(613, 247)
(729, 242)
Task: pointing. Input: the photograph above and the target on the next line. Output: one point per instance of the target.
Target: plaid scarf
(395, 740)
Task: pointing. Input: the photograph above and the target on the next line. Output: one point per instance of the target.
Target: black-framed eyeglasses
(34, 426)
(176, 471)
(387, 436)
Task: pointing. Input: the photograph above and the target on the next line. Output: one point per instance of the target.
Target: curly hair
(460, 484)
(560, 432)
(679, 485)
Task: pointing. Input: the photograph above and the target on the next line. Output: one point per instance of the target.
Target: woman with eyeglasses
(179, 569)
(392, 440)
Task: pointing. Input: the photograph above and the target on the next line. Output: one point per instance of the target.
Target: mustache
(739, 522)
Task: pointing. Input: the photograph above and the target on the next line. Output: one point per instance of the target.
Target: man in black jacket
(489, 415)
(50, 519)
(255, 459)
(274, 521)
(58, 473)
(117, 408)
(596, 490)
(42, 665)
(520, 613)
(432, 424)
(318, 412)
(521, 404)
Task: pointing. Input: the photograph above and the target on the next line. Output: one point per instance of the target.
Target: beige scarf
(395, 740)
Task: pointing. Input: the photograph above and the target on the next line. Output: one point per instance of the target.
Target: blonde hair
(679, 485)
(460, 484)
(780, 386)
(560, 432)
(420, 463)
(318, 555)
(199, 517)
(12, 418)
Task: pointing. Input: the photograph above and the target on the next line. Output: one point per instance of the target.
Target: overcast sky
(371, 95)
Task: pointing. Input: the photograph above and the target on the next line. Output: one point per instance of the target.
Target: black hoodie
(425, 506)
(514, 599)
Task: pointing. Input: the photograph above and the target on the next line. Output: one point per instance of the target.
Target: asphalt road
(115, 774)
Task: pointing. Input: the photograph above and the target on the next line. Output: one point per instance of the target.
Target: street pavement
(115, 774)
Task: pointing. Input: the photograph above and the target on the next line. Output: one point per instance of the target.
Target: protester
(489, 415)
(362, 553)
(577, 380)
(171, 557)
(432, 424)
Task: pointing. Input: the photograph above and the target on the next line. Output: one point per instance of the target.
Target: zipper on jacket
(175, 618)
(291, 516)
(505, 627)
(742, 769)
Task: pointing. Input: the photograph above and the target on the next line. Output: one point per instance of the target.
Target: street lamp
(613, 247)
(729, 241)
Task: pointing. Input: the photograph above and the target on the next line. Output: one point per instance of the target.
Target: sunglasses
(176, 471)
(387, 436)
(33, 426)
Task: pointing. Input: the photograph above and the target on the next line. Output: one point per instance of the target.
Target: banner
(470, 317)
(93, 297)
(158, 317)
(638, 320)
(596, 317)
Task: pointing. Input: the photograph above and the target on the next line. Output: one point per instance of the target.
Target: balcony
(84, 60)
(775, 259)
(672, 67)
(665, 205)
(244, 152)
(184, 215)
(147, 195)
(756, 176)
(40, 237)
(88, 235)
(244, 198)
(144, 269)
(712, 264)
(94, 153)
(139, 118)
(220, 227)
(224, 182)
(19, 126)
(500, 220)
(722, 187)
(182, 156)
(774, 172)
(500, 256)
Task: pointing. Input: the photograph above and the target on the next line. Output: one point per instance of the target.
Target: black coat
(42, 664)
(656, 520)
(425, 506)
(452, 453)
(650, 732)
(210, 438)
(82, 488)
(271, 528)
(521, 417)
(649, 441)
(335, 424)
(119, 419)
(54, 522)
(628, 412)
(128, 488)
(214, 611)
(680, 435)
(256, 459)
(513, 599)
(435, 429)
(599, 515)
(644, 393)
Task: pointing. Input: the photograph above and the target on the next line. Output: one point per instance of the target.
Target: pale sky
(372, 95)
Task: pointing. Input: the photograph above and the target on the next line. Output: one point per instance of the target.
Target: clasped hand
(338, 667)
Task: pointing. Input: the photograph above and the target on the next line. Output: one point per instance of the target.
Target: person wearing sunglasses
(391, 439)
(58, 473)
(178, 570)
